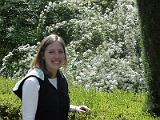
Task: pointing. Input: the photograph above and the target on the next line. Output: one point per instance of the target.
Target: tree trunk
(149, 12)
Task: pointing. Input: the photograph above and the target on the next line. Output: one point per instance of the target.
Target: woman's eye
(61, 52)
(51, 52)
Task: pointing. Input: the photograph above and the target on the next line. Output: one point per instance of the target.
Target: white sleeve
(30, 98)
(72, 108)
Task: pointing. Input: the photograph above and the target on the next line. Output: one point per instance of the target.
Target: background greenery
(102, 39)
(149, 17)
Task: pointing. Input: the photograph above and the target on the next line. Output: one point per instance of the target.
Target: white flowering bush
(17, 62)
(102, 47)
(116, 62)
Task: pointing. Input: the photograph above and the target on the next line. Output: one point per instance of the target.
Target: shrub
(115, 62)
(24, 55)
(10, 105)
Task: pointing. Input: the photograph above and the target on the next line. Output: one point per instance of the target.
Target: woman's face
(54, 56)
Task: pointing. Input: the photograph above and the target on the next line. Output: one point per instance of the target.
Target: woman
(44, 90)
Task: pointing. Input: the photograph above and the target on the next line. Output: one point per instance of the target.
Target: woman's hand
(83, 109)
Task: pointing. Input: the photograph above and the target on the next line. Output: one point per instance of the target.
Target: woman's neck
(54, 74)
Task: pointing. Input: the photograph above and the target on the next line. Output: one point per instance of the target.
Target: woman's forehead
(55, 45)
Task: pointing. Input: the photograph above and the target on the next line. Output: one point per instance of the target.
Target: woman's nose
(56, 54)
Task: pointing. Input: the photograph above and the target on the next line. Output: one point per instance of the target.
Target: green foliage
(9, 110)
(116, 105)
(150, 29)
(16, 28)
(10, 106)
(18, 23)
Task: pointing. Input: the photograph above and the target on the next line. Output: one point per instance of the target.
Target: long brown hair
(38, 62)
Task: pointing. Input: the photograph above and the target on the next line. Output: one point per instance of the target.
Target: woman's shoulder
(33, 75)
(32, 80)
(35, 72)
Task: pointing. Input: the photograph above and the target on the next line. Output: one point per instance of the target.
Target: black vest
(53, 104)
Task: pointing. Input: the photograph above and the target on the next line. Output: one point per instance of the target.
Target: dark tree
(149, 12)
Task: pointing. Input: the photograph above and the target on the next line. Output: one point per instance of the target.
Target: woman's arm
(30, 98)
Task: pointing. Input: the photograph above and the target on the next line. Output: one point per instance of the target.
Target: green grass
(115, 105)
